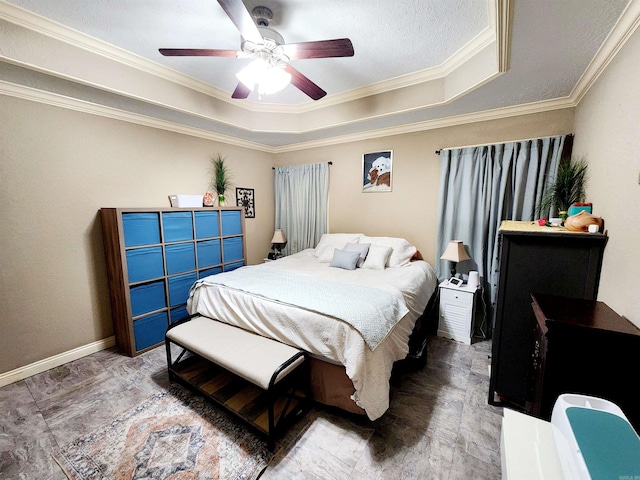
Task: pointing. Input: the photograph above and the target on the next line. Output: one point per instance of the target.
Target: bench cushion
(243, 353)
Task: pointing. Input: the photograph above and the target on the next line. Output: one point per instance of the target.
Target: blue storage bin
(147, 297)
(144, 264)
(576, 209)
(140, 229)
(209, 271)
(180, 257)
(232, 249)
(179, 288)
(150, 330)
(231, 222)
(179, 313)
(232, 266)
(177, 226)
(209, 253)
(207, 224)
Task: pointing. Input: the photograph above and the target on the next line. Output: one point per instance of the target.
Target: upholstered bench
(263, 381)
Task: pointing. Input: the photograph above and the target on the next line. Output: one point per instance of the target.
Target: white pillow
(330, 241)
(402, 250)
(377, 257)
(344, 259)
(361, 248)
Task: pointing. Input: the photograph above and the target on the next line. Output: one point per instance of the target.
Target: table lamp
(455, 253)
(278, 241)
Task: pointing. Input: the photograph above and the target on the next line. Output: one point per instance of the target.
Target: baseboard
(55, 361)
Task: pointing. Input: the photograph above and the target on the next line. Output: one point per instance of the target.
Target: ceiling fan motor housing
(262, 16)
(262, 43)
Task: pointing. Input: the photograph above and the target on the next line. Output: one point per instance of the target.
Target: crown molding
(484, 38)
(45, 26)
(56, 100)
(627, 24)
(61, 101)
(475, 117)
(24, 18)
(504, 17)
(624, 28)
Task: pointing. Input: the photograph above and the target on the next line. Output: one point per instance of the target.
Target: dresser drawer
(459, 298)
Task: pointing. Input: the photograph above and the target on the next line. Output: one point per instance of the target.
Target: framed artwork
(377, 171)
(244, 198)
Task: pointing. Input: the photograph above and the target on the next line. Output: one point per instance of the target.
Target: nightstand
(457, 312)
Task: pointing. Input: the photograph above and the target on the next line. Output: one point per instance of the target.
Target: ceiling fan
(270, 54)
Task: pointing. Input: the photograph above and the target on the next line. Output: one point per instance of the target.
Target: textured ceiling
(390, 38)
(397, 43)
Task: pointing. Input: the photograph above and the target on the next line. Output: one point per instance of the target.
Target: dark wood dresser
(541, 260)
(583, 346)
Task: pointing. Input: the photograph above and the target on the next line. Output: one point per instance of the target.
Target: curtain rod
(330, 163)
(498, 143)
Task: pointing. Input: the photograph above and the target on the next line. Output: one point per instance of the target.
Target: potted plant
(567, 188)
(221, 178)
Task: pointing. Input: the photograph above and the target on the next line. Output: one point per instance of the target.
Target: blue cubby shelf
(153, 258)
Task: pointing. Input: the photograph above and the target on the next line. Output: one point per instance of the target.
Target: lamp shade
(279, 237)
(455, 252)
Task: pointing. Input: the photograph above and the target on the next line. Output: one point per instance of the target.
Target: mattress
(321, 334)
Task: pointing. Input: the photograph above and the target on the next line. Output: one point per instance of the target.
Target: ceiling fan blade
(305, 85)
(341, 47)
(197, 52)
(242, 19)
(241, 91)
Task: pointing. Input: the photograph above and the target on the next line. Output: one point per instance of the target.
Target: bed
(353, 312)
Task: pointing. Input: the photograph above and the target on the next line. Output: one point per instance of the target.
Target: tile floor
(439, 424)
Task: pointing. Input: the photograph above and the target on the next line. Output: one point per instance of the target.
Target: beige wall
(410, 210)
(58, 168)
(606, 128)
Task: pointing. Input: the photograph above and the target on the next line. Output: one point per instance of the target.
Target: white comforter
(324, 336)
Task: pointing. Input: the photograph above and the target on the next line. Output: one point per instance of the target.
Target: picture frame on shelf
(377, 171)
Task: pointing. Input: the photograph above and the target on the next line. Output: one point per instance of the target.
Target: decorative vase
(581, 221)
(221, 201)
(563, 216)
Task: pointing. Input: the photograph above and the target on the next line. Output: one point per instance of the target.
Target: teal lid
(608, 443)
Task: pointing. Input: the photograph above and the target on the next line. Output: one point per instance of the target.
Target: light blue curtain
(302, 193)
(482, 186)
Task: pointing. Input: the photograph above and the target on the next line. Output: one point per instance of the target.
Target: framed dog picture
(377, 171)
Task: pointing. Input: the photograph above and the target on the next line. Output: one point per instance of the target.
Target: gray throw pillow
(361, 248)
(344, 259)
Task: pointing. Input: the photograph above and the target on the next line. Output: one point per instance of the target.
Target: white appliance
(588, 438)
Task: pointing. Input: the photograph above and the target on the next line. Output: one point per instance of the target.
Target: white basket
(186, 201)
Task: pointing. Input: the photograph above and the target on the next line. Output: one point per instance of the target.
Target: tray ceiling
(416, 62)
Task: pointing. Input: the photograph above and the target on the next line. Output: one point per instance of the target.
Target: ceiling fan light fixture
(270, 70)
(264, 76)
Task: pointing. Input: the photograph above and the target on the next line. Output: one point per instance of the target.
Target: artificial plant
(220, 178)
(567, 188)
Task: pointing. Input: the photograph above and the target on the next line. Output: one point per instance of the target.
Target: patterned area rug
(175, 435)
